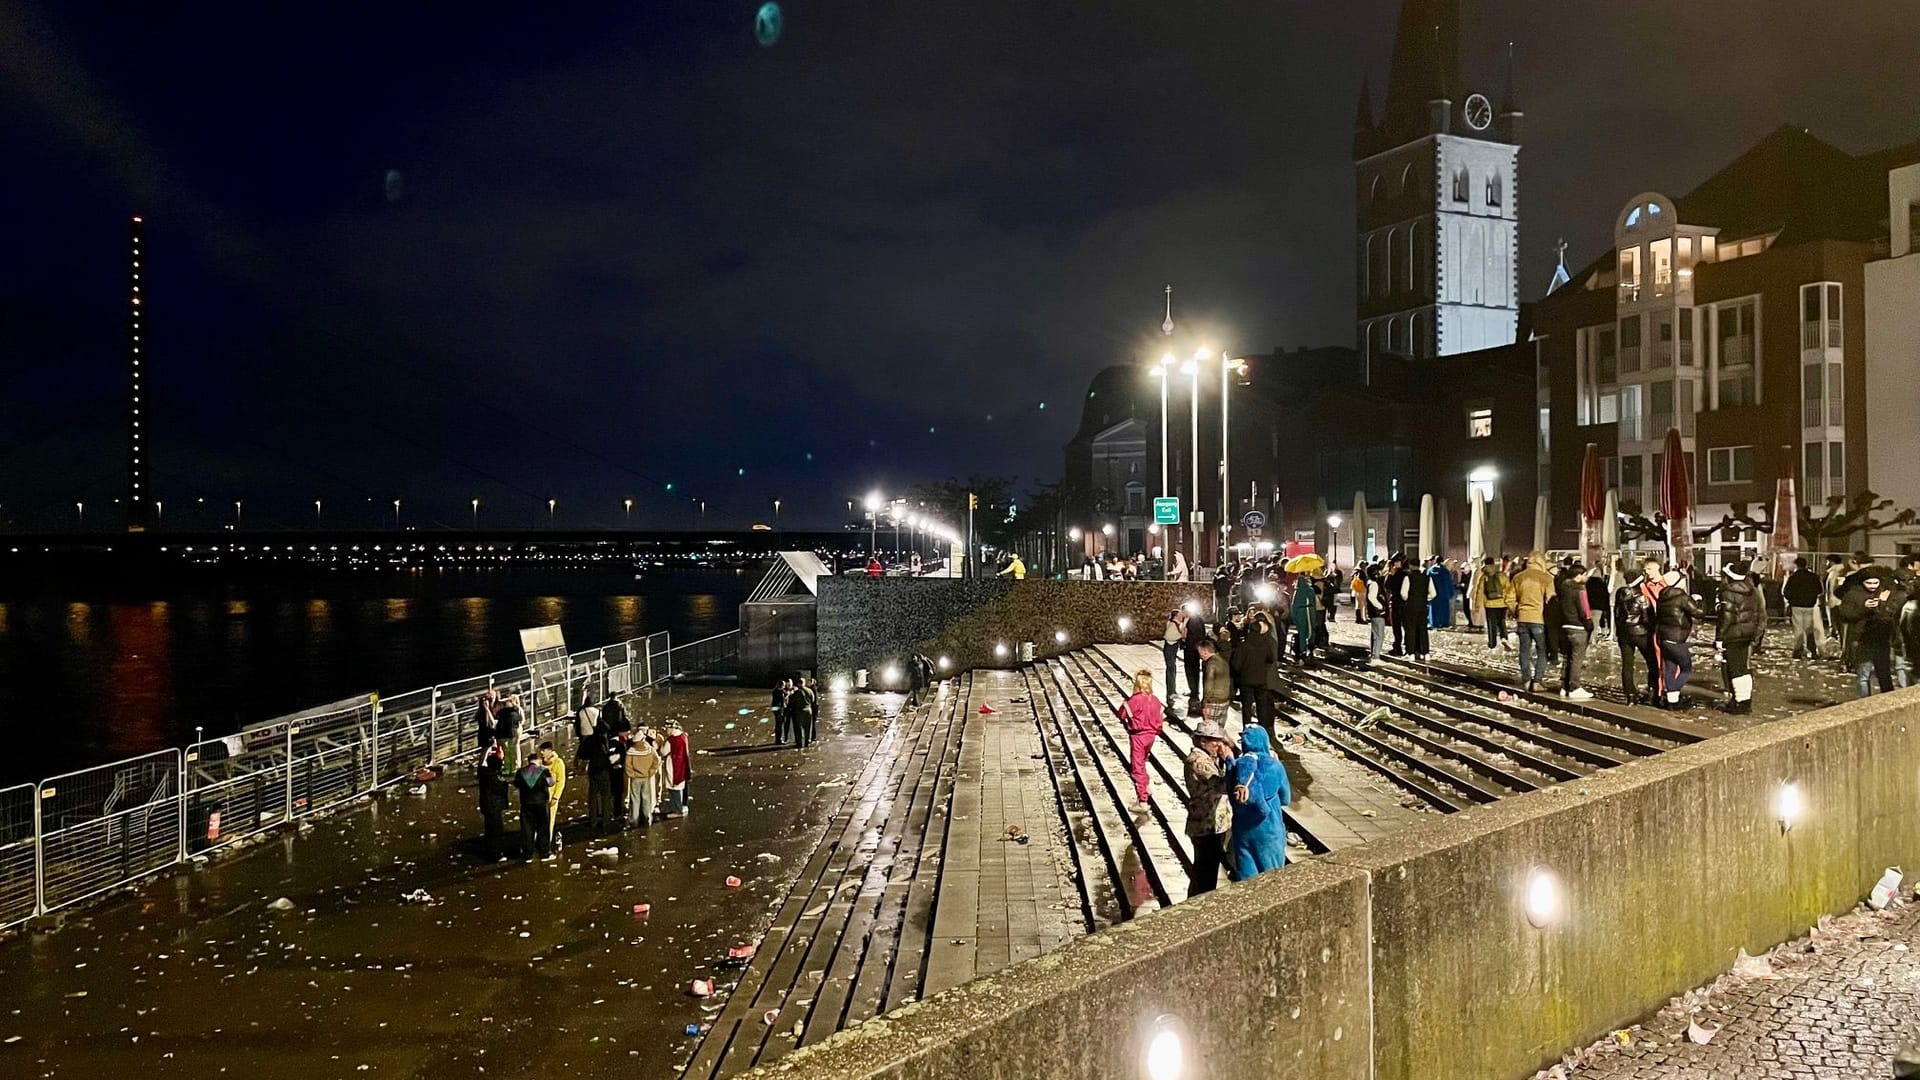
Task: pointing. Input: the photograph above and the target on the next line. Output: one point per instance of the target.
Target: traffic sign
(1254, 519)
(1166, 510)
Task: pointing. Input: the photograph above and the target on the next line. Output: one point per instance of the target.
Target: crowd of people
(634, 775)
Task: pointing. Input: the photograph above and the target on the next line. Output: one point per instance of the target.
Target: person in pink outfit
(1143, 717)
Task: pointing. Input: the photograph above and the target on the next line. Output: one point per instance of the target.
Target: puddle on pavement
(509, 969)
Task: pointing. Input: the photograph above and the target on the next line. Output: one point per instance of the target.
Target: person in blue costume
(1440, 595)
(1260, 790)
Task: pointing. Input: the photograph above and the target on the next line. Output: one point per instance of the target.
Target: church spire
(1426, 52)
(1167, 327)
(1509, 101)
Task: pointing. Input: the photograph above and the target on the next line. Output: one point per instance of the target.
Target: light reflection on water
(85, 681)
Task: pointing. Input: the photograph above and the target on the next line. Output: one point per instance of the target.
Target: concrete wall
(1893, 355)
(1270, 981)
(871, 622)
(777, 639)
(1667, 867)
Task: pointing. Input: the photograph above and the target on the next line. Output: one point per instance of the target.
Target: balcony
(1736, 351)
(1815, 335)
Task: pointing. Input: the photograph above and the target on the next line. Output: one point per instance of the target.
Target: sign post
(1166, 510)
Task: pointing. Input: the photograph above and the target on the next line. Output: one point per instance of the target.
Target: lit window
(1462, 184)
(1494, 191)
(1480, 423)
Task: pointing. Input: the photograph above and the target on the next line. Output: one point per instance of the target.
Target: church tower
(1438, 207)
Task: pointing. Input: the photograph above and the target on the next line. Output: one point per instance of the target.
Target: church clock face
(1479, 112)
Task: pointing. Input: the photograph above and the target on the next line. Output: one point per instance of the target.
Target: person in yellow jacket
(558, 767)
(1531, 588)
(1492, 592)
(1014, 568)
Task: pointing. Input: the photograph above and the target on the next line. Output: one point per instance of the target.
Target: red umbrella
(1593, 503)
(1676, 499)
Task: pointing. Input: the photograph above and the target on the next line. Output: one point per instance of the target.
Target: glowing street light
(236, 513)
(551, 503)
(81, 508)
(629, 506)
(396, 513)
(1543, 899)
(316, 512)
(476, 513)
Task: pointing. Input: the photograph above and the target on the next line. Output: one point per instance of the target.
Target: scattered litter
(741, 952)
(767, 856)
(1014, 832)
(711, 701)
(417, 896)
(988, 710)
(1752, 967)
(732, 882)
(643, 910)
(11, 1039)
(1886, 890)
(608, 852)
(770, 1017)
(693, 1029)
(426, 774)
(417, 789)
(1700, 1036)
(78, 994)
(729, 725)
(1375, 717)
(743, 712)
(702, 988)
(282, 904)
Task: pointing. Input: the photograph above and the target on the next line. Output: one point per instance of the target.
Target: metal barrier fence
(86, 832)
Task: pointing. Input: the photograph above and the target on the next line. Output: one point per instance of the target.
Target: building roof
(1794, 184)
(1799, 185)
(1426, 61)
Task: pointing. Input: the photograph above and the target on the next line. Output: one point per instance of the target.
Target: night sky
(579, 252)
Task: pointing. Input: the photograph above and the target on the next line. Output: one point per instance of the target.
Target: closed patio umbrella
(1676, 500)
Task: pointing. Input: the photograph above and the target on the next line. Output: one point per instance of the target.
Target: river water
(91, 678)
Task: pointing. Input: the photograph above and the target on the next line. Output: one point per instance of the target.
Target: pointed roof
(1509, 101)
(1426, 59)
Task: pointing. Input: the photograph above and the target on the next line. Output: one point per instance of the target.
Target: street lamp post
(236, 512)
(476, 513)
(874, 503)
(776, 511)
(1166, 373)
(629, 505)
(1226, 497)
(551, 504)
(396, 513)
(1199, 519)
(1333, 539)
(316, 513)
(81, 508)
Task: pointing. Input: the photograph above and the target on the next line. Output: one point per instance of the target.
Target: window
(1630, 478)
(1462, 184)
(1836, 468)
(1632, 416)
(1630, 343)
(1610, 466)
(1820, 316)
(1660, 260)
(1630, 273)
(1686, 337)
(1686, 409)
(1730, 465)
(1735, 336)
(1494, 190)
(1136, 498)
(1815, 474)
(1417, 334)
(1836, 413)
(1479, 423)
(1833, 316)
(1662, 340)
(1373, 341)
(1366, 268)
(1813, 412)
(1659, 409)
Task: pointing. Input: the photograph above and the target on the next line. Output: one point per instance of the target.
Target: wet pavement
(1839, 1004)
(1783, 686)
(510, 970)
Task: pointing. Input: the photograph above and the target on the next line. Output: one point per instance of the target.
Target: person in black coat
(1803, 593)
(1414, 590)
(1739, 619)
(1255, 657)
(1870, 608)
(1397, 604)
(1633, 630)
(1674, 613)
(491, 778)
(1196, 633)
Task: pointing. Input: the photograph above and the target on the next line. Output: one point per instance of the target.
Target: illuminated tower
(139, 495)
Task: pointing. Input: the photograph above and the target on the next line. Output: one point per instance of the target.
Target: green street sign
(1166, 511)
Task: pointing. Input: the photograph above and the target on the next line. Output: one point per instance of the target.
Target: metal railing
(83, 833)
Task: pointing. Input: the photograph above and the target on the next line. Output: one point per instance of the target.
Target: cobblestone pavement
(1837, 1004)
(1783, 686)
